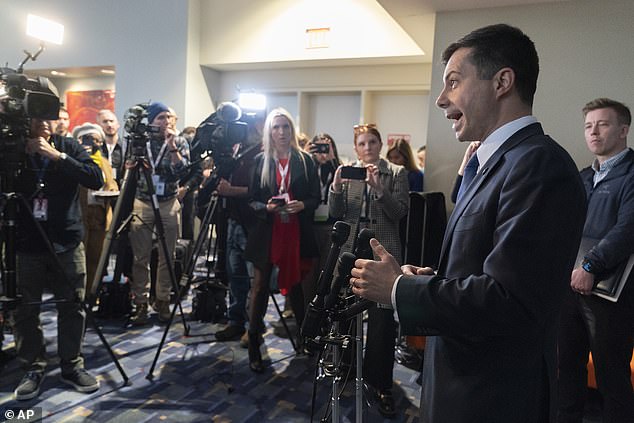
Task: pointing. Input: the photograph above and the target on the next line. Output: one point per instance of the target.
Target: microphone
(363, 249)
(345, 265)
(358, 307)
(315, 311)
(339, 235)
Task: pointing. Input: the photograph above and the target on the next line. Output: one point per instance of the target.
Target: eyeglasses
(363, 127)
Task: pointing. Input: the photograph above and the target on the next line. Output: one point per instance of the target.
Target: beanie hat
(154, 109)
(88, 128)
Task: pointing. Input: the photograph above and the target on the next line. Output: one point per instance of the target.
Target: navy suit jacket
(505, 265)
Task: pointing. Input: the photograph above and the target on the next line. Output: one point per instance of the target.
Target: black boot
(255, 357)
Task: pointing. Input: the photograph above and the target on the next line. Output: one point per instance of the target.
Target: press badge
(40, 209)
(321, 213)
(159, 187)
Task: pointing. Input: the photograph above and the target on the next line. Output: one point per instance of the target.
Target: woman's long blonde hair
(267, 143)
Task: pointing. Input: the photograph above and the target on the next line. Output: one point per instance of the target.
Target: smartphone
(279, 201)
(320, 148)
(353, 172)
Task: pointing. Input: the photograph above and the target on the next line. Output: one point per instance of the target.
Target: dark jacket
(611, 213)
(304, 186)
(504, 270)
(61, 179)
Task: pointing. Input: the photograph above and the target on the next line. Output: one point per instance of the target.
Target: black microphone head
(365, 236)
(363, 249)
(346, 263)
(340, 232)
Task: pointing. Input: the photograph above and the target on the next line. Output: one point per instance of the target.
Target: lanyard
(40, 171)
(158, 159)
(283, 175)
(324, 186)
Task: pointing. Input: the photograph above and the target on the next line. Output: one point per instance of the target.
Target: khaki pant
(141, 231)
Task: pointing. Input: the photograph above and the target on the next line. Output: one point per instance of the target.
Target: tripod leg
(160, 235)
(188, 277)
(91, 320)
(290, 335)
(121, 209)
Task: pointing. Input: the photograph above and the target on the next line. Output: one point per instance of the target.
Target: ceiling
(400, 10)
(405, 8)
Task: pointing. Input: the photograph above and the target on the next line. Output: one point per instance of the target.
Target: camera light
(44, 29)
(252, 101)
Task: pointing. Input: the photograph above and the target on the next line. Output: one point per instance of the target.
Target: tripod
(11, 300)
(138, 163)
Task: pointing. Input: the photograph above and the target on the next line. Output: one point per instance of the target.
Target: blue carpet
(195, 380)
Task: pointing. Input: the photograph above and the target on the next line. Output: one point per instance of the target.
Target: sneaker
(81, 380)
(163, 309)
(140, 315)
(230, 333)
(244, 340)
(29, 386)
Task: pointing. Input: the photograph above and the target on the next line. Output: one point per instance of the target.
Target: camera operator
(241, 219)
(168, 156)
(377, 202)
(55, 167)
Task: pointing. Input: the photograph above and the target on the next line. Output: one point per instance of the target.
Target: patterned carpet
(195, 380)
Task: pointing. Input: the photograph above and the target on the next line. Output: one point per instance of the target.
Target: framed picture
(83, 105)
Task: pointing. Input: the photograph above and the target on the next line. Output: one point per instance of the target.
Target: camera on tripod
(217, 136)
(137, 127)
(22, 98)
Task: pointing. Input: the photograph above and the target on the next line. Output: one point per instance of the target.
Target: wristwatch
(588, 266)
(63, 156)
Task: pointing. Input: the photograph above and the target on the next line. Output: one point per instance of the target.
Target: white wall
(585, 50)
(145, 40)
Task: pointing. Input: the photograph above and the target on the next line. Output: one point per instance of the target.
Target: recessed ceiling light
(108, 71)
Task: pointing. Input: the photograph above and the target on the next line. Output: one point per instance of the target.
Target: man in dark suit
(508, 250)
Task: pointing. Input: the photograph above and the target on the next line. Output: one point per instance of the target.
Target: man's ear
(504, 81)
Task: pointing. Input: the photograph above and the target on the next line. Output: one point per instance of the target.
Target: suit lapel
(481, 177)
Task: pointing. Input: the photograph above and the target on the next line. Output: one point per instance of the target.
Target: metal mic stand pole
(359, 378)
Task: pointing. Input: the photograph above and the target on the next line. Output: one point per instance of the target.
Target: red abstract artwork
(83, 105)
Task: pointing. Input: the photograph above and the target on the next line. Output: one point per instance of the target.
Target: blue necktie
(470, 171)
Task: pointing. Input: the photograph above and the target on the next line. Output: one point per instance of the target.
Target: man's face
(468, 100)
(41, 128)
(163, 121)
(62, 123)
(605, 136)
(109, 124)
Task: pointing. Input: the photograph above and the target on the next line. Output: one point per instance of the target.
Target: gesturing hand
(374, 279)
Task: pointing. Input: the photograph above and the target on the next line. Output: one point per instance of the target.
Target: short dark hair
(623, 114)
(497, 46)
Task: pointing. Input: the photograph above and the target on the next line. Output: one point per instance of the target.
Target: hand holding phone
(353, 172)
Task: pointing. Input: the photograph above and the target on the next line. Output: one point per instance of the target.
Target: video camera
(217, 136)
(137, 127)
(22, 98)
(219, 133)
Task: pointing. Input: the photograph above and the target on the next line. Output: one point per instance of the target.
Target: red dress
(284, 251)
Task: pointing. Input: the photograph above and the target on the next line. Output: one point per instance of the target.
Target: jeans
(239, 273)
(34, 272)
